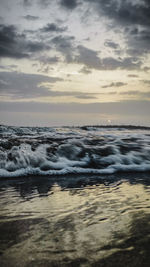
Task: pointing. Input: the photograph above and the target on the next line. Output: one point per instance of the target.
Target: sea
(75, 196)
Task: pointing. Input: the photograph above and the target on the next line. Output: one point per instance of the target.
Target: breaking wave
(28, 151)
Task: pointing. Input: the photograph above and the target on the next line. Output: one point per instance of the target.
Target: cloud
(138, 41)
(48, 60)
(18, 85)
(16, 45)
(85, 96)
(10, 42)
(44, 3)
(21, 85)
(128, 63)
(64, 44)
(133, 22)
(35, 46)
(146, 68)
(111, 44)
(131, 17)
(114, 84)
(52, 27)
(137, 93)
(146, 81)
(31, 18)
(8, 67)
(88, 57)
(124, 12)
(45, 62)
(69, 4)
(130, 92)
(133, 75)
(27, 3)
(85, 70)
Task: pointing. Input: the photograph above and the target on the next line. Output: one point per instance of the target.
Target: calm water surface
(74, 221)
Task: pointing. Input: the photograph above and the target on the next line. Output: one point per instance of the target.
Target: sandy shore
(75, 221)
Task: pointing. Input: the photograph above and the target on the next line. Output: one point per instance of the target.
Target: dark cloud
(146, 68)
(138, 42)
(85, 70)
(130, 16)
(123, 11)
(111, 93)
(44, 69)
(69, 4)
(52, 27)
(31, 18)
(36, 46)
(16, 45)
(27, 3)
(48, 60)
(146, 81)
(130, 92)
(64, 44)
(91, 60)
(84, 96)
(136, 93)
(88, 57)
(111, 44)
(128, 63)
(45, 62)
(63, 41)
(114, 84)
(22, 86)
(133, 75)
(10, 42)
(44, 3)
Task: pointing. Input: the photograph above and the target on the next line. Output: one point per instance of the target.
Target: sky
(74, 62)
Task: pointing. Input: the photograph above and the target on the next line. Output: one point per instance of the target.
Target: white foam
(73, 151)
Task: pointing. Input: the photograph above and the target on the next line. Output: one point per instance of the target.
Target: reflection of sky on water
(47, 221)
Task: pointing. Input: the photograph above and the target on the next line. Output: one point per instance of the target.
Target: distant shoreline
(85, 127)
(130, 127)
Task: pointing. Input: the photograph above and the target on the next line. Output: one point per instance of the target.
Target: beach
(74, 196)
(90, 222)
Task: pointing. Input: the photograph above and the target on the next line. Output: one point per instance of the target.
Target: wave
(26, 151)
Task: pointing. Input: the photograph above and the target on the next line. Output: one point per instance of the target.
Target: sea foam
(28, 151)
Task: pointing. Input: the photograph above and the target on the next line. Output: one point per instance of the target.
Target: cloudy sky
(74, 62)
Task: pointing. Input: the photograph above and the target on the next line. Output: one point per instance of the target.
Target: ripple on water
(88, 225)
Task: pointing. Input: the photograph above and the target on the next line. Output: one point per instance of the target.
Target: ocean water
(82, 150)
(74, 196)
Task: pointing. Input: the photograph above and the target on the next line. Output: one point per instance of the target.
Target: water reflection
(68, 222)
(134, 249)
(27, 186)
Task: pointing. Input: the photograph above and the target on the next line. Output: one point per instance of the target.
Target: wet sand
(75, 221)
